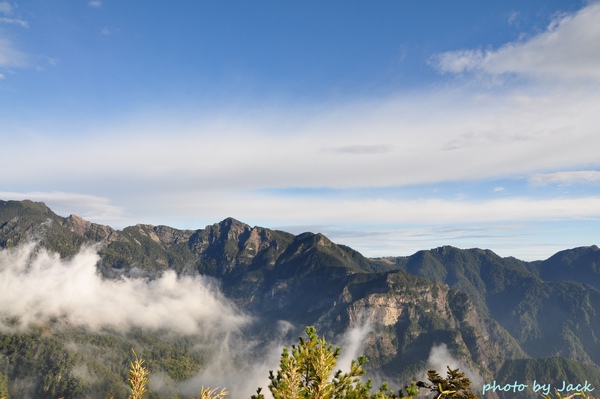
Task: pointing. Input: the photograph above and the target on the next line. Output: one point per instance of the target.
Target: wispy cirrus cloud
(569, 48)
(10, 56)
(513, 18)
(6, 8)
(14, 21)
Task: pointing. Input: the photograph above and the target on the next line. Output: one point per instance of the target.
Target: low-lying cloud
(440, 359)
(37, 286)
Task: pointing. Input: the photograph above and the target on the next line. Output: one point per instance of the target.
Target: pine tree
(305, 373)
(454, 386)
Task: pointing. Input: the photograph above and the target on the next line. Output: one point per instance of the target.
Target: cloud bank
(448, 136)
(38, 287)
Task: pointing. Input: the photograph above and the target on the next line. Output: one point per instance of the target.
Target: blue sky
(389, 126)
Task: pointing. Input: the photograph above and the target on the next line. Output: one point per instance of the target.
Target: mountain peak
(26, 204)
(232, 222)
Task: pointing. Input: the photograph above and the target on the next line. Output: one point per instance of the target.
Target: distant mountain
(579, 264)
(502, 318)
(548, 306)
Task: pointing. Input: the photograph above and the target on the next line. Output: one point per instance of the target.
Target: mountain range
(501, 319)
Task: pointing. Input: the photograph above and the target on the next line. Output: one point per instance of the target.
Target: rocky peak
(236, 245)
(232, 229)
(84, 228)
(77, 225)
(169, 235)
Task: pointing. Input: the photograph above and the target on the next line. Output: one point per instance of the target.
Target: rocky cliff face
(83, 228)
(408, 316)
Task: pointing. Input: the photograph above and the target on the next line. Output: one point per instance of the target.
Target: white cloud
(10, 56)
(95, 3)
(459, 61)
(6, 7)
(361, 149)
(513, 18)
(437, 137)
(37, 286)
(353, 342)
(582, 177)
(569, 48)
(440, 359)
(293, 210)
(15, 21)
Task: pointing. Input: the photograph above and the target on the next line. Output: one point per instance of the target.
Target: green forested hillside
(554, 317)
(499, 318)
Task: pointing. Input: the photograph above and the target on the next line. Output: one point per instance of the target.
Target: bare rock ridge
(87, 229)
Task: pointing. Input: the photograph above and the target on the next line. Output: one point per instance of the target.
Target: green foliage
(454, 386)
(23, 220)
(305, 373)
(3, 386)
(42, 357)
(43, 363)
